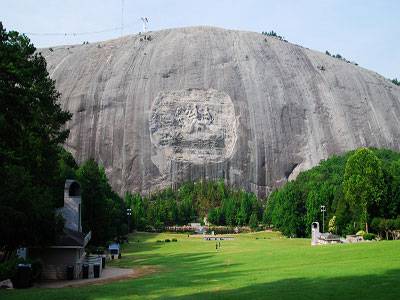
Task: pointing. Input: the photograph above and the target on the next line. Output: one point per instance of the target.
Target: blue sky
(365, 31)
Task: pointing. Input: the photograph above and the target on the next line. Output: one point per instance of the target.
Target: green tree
(332, 225)
(245, 210)
(214, 216)
(253, 222)
(286, 210)
(363, 183)
(31, 130)
(103, 211)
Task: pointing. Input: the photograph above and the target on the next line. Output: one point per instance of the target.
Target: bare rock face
(206, 103)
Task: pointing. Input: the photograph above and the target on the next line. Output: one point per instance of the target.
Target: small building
(318, 238)
(69, 248)
(115, 250)
(329, 238)
(315, 234)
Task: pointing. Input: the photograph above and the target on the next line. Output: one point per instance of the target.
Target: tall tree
(103, 211)
(363, 183)
(31, 130)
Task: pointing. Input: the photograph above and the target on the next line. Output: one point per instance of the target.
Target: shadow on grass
(383, 286)
(184, 270)
(134, 252)
(203, 276)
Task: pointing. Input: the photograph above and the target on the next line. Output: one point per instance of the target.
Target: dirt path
(108, 275)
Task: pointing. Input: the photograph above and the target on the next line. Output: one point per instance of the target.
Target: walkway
(109, 274)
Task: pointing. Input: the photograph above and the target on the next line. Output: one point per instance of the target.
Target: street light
(323, 210)
(129, 213)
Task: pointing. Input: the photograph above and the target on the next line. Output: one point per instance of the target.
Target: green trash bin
(23, 276)
(85, 271)
(96, 271)
(70, 272)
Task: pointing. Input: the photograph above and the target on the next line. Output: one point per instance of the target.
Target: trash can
(70, 272)
(103, 262)
(23, 276)
(85, 271)
(96, 271)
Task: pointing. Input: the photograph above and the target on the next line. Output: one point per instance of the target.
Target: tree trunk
(366, 227)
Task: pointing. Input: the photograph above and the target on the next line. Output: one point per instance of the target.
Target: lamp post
(129, 213)
(323, 210)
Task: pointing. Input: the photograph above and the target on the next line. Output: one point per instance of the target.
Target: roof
(114, 246)
(329, 237)
(71, 238)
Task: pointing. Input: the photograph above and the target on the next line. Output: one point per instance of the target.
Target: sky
(364, 31)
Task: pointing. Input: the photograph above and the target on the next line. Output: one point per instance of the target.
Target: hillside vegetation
(191, 202)
(358, 188)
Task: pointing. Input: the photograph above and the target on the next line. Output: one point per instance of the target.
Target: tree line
(192, 202)
(360, 189)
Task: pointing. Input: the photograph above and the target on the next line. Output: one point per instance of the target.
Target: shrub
(174, 240)
(167, 240)
(160, 241)
(99, 250)
(36, 269)
(361, 233)
(369, 236)
(8, 268)
(395, 81)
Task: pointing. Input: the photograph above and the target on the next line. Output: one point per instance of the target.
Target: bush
(395, 81)
(167, 240)
(99, 250)
(174, 240)
(160, 241)
(361, 233)
(369, 236)
(37, 268)
(8, 268)
(149, 228)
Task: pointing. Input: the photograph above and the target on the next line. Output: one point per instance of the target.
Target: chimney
(71, 211)
(315, 234)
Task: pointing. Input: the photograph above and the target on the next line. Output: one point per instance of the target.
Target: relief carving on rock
(192, 125)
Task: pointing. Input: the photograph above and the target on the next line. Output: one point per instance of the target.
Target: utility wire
(77, 33)
(122, 17)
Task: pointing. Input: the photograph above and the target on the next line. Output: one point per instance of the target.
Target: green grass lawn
(270, 267)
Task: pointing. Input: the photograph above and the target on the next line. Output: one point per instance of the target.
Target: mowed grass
(270, 267)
